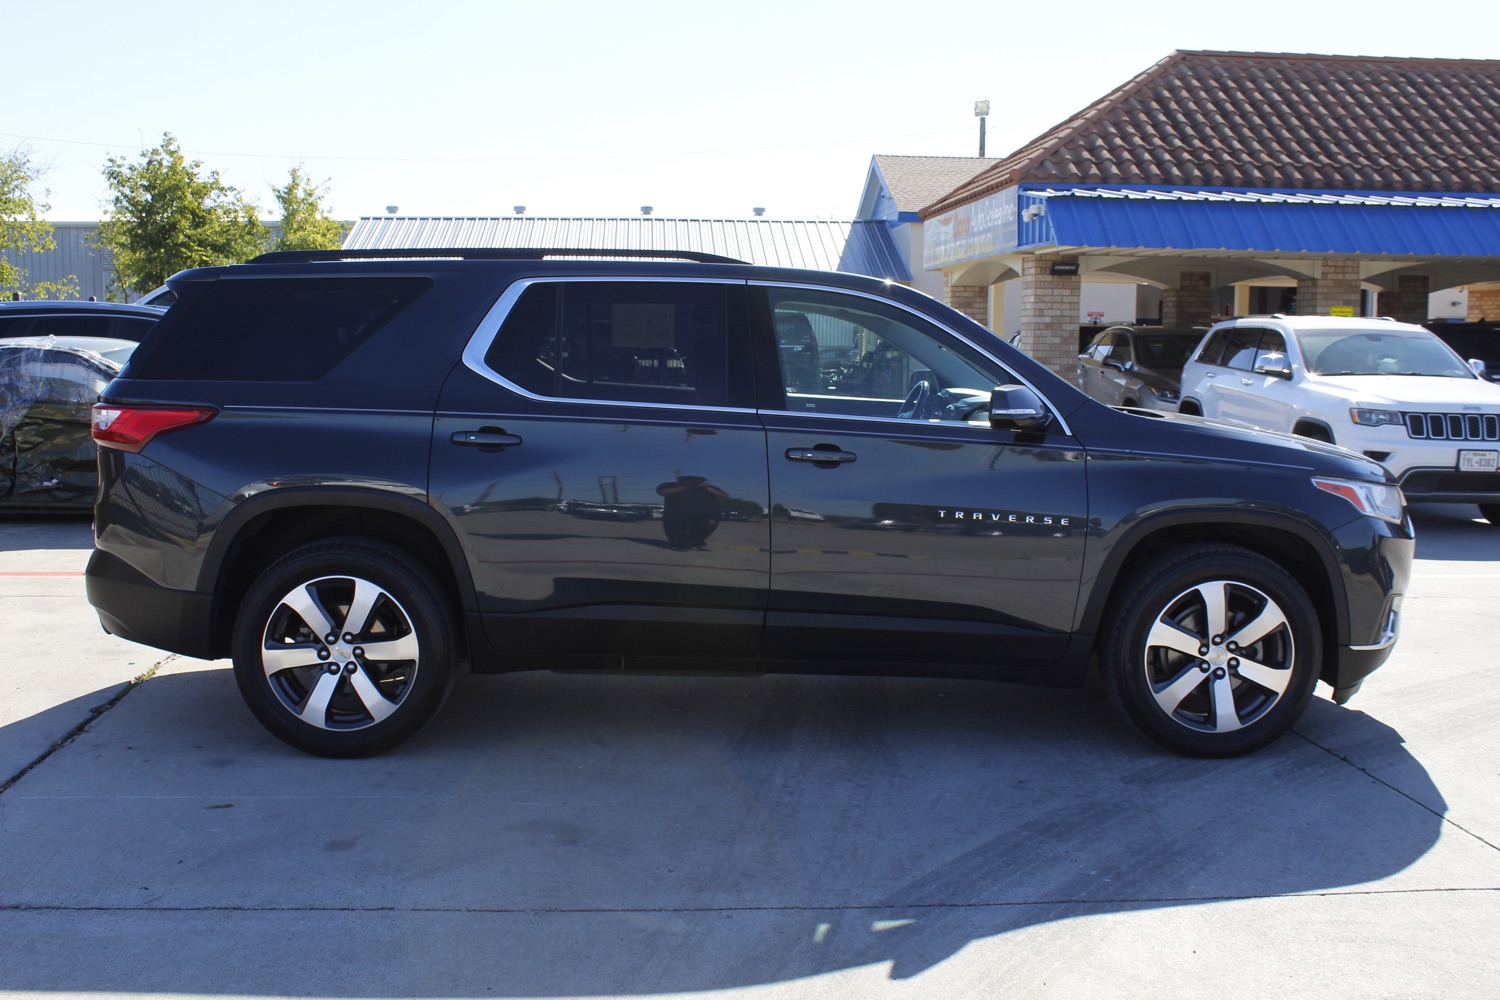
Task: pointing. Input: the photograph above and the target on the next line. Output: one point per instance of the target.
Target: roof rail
(483, 253)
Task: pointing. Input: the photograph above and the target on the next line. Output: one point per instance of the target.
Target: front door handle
(820, 455)
(486, 437)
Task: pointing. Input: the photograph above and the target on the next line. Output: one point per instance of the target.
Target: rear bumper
(132, 606)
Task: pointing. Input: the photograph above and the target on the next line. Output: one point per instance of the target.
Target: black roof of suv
(356, 472)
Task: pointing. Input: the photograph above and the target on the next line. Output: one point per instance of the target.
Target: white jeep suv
(1392, 391)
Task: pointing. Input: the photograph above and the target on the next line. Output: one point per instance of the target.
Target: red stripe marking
(43, 572)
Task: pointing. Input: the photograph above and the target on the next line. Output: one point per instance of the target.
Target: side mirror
(1276, 371)
(1017, 408)
(1477, 367)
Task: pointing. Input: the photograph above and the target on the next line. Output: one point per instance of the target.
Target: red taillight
(131, 428)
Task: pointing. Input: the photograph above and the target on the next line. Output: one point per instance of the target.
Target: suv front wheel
(1212, 650)
(344, 648)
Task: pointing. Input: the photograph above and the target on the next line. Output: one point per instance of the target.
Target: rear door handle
(818, 456)
(485, 438)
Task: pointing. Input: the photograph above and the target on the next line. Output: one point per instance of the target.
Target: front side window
(1239, 351)
(844, 354)
(626, 341)
(1272, 351)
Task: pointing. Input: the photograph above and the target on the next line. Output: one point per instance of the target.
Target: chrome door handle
(820, 455)
(485, 439)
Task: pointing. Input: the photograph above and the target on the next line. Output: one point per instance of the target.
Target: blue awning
(1265, 222)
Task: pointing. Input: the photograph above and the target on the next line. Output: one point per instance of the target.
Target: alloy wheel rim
(340, 653)
(1219, 656)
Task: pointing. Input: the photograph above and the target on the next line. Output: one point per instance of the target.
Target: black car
(55, 358)
(1473, 342)
(1137, 365)
(354, 472)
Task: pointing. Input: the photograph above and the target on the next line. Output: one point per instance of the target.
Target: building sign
(1341, 311)
(972, 232)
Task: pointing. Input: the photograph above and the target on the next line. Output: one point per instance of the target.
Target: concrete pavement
(574, 836)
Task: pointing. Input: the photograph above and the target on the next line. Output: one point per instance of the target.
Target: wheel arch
(1284, 540)
(1191, 407)
(261, 530)
(1304, 424)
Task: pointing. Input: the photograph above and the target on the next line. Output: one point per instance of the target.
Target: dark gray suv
(358, 473)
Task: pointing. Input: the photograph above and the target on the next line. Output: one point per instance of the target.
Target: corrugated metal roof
(857, 247)
(1317, 222)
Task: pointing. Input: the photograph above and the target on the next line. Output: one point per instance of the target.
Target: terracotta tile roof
(1274, 120)
(917, 181)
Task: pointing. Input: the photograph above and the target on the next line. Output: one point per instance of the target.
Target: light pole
(981, 111)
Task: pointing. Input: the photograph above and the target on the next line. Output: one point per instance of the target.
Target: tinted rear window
(276, 329)
(115, 327)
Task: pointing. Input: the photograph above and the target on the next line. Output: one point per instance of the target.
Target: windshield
(1379, 352)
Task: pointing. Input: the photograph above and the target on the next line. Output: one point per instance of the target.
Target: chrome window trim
(484, 335)
(479, 342)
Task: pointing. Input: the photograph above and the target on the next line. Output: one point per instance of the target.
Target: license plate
(1479, 461)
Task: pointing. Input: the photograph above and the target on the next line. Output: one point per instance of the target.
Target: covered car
(55, 360)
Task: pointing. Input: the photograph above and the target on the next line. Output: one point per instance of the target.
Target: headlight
(1374, 418)
(1165, 395)
(1380, 500)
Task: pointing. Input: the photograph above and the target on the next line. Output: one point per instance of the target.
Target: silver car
(1137, 366)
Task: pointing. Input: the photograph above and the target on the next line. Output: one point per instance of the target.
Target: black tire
(1191, 408)
(1175, 644)
(1491, 512)
(370, 687)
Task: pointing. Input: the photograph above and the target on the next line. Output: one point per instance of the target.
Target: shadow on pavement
(558, 835)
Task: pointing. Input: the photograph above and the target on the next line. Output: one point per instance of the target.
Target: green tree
(305, 222)
(23, 230)
(166, 214)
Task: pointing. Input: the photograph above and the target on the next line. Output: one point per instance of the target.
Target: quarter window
(276, 329)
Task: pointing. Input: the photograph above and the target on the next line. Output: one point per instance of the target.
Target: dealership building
(1227, 183)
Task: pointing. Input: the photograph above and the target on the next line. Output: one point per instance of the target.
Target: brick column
(1408, 303)
(1191, 303)
(971, 300)
(1336, 286)
(1484, 303)
(1049, 312)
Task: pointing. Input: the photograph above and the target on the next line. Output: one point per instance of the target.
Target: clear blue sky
(577, 107)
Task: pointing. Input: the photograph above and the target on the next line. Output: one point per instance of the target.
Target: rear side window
(276, 329)
(624, 341)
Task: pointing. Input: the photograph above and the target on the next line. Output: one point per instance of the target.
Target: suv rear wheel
(344, 648)
(1212, 651)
